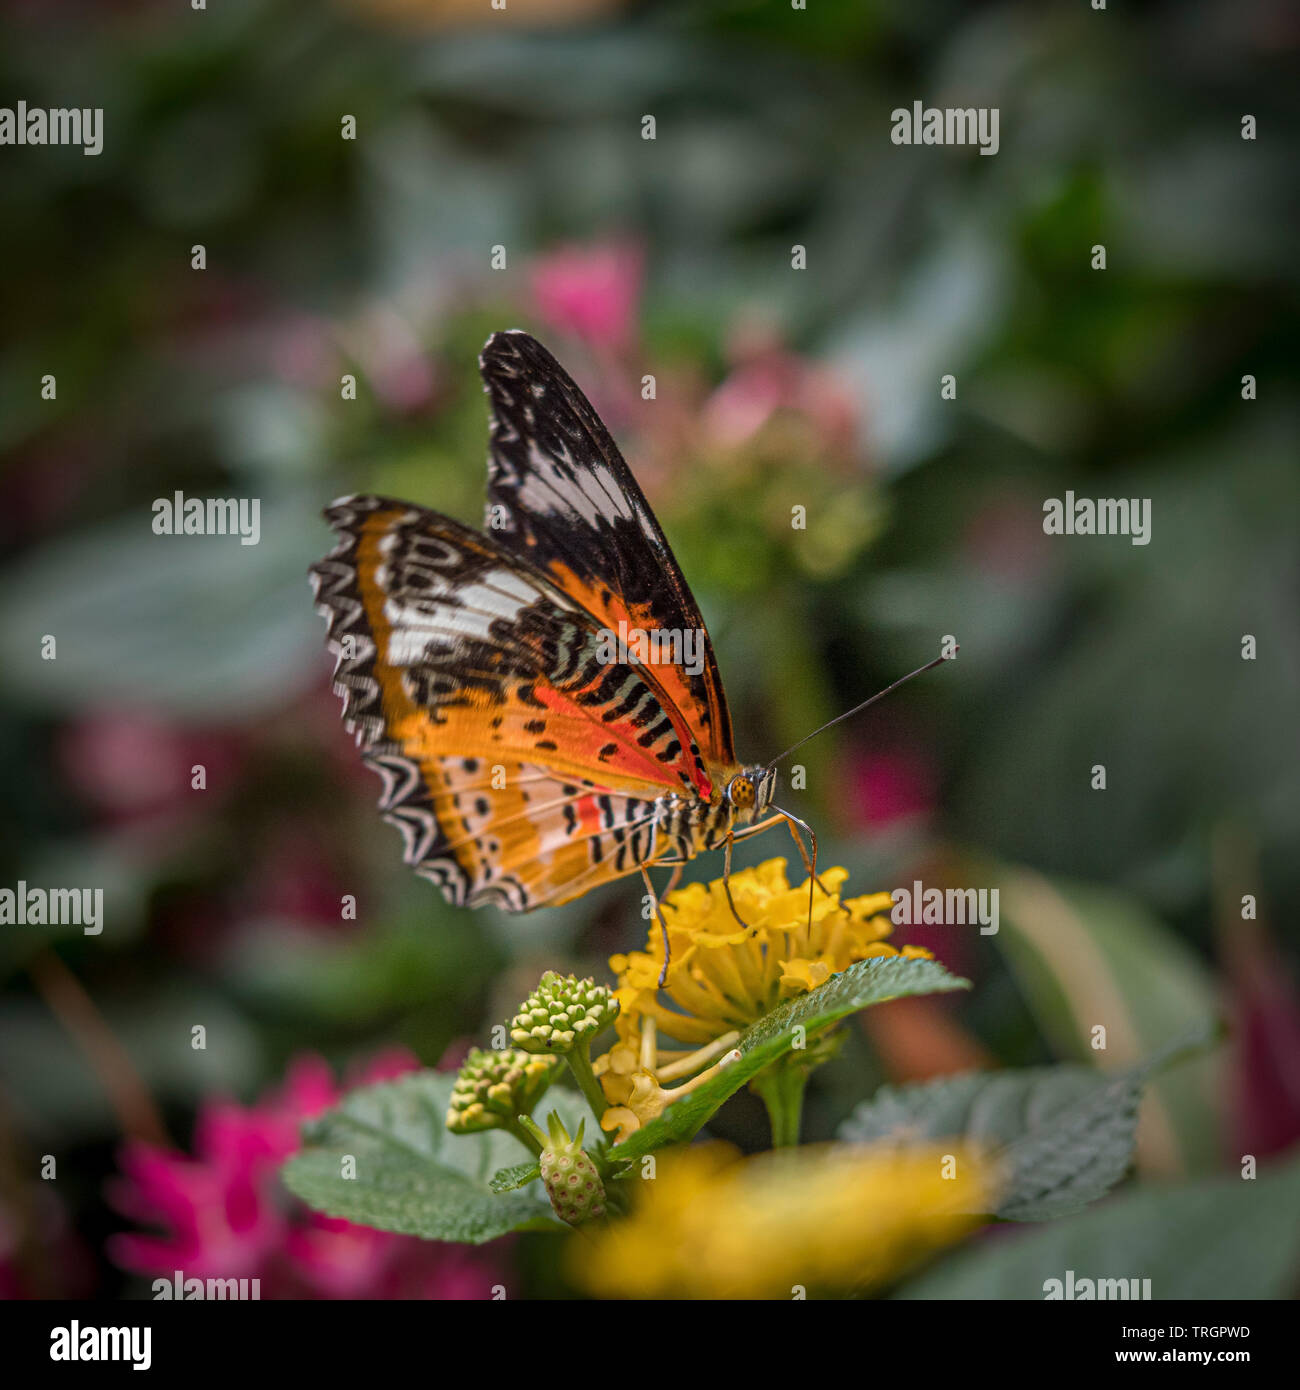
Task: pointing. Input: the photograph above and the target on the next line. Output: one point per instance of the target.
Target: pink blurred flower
(294, 878)
(455, 1053)
(888, 786)
(398, 369)
(129, 764)
(224, 1214)
(591, 292)
(301, 350)
(768, 378)
(1264, 1070)
(386, 1065)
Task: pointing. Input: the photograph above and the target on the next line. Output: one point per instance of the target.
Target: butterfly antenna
(857, 709)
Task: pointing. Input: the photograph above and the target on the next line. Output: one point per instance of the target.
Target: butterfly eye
(742, 791)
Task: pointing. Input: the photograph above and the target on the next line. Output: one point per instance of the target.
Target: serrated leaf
(861, 985)
(519, 1175)
(1063, 1135)
(412, 1175)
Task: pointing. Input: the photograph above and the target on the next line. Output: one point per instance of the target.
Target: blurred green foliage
(371, 257)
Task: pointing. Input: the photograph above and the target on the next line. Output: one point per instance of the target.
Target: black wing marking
(560, 493)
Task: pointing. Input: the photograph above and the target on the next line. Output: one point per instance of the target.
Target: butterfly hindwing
(515, 835)
(560, 493)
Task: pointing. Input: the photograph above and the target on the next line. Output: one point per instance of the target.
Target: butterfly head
(750, 791)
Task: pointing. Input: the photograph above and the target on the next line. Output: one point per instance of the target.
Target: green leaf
(412, 1176)
(1218, 1238)
(192, 626)
(1083, 955)
(1064, 1135)
(861, 985)
(516, 1176)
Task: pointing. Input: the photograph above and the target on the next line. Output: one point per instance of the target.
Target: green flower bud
(495, 1087)
(571, 1179)
(562, 1013)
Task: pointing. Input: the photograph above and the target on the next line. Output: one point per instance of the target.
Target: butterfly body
(525, 756)
(693, 826)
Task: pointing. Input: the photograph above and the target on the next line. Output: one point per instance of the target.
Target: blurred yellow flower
(722, 976)
(819, 1219)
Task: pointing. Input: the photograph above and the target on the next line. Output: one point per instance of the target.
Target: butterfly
(535, 737)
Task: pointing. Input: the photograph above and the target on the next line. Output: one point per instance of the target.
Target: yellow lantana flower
(723, 976)
(824, 1218)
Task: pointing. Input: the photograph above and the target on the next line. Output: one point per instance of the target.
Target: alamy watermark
(179, 515)
(58, 125)
(77, 1343)
(1103, 516)
(54, 907)
(950, 125)
(178, 1288)
(947, 907)
(656, 646)
(1077, 1287)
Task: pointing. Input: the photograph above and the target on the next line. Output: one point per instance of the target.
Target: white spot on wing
(501, 595)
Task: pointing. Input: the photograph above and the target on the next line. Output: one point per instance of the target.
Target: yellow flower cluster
(723, 976)
(824, 1218)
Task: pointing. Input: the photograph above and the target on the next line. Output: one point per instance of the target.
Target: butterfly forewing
(560, 493)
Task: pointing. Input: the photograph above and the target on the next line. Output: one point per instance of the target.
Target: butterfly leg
(726, 880)
(810, 864)
(734, 839)
(659, 912)
(675, 877)
(739, 835)
(789, 821)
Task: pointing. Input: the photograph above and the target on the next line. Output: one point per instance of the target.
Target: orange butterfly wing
(535, 839)
(465, 673)
(522, 761)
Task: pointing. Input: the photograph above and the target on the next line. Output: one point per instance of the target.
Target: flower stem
(782, 1088)
(526, 1131)
(580, 1065)
(68, 1001)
